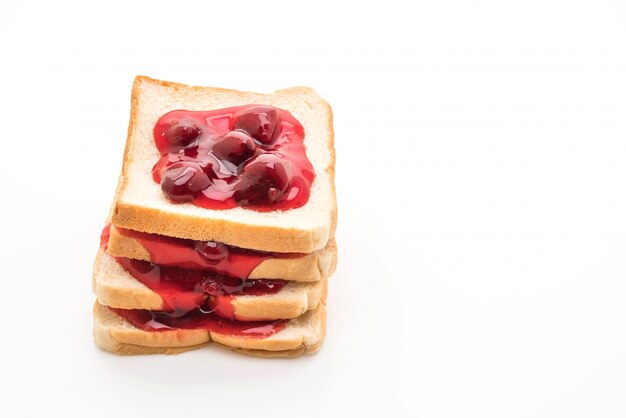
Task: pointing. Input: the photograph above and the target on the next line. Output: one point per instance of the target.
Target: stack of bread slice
(151, 245)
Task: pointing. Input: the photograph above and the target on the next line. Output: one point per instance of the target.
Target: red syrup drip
(197, 319)
(200, 255)
(251, 156)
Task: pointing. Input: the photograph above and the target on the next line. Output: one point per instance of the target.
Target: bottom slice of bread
(301, 335)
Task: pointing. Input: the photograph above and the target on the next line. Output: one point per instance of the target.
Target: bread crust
(112, 333)
(313, 266)
(255, 307)
(255, 237)
(260, 237)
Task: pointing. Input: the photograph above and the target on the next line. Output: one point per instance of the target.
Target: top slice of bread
(140, 204)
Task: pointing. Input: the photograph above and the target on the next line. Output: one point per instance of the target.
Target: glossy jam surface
(250, 156)
(198, 319)
(185, 290)
(202, 255)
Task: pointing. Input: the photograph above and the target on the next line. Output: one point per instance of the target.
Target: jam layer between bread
(186, 290)
(154, 321)
(200, 255)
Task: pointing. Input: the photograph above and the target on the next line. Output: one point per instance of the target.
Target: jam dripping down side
(198, 319)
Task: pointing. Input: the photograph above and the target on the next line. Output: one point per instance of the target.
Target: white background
(481, 181)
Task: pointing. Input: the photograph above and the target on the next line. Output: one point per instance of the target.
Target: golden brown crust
(256, 237)
(331, 168)
(123, 298)
(134, 108)
(115, 335)
(309, 267)
(261, 237)
(125, 349)
(119, 296)
(282, 307)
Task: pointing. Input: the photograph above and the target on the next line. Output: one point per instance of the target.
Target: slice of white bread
(140, 204)
(117, 288)
(307, 267)
(301, 335)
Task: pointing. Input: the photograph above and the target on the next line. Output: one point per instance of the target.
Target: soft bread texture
(140, 204)
(307, 267)
(301, 335)
(117, 288)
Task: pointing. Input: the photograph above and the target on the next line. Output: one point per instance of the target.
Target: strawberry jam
(252, 156)
(104, 237)
(201, 255)
(198, 319)
(186, 290)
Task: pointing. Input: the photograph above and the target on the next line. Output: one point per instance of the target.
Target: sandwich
(222, 226)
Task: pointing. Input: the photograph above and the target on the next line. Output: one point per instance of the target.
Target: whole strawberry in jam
(261, 122)
(183, 133)
(183, 180)
(235, 147)
(264, 180)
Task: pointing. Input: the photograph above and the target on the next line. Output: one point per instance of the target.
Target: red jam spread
(187, 290)
(203, 255)
(104, 237)
(198, 319)
(250, 156)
